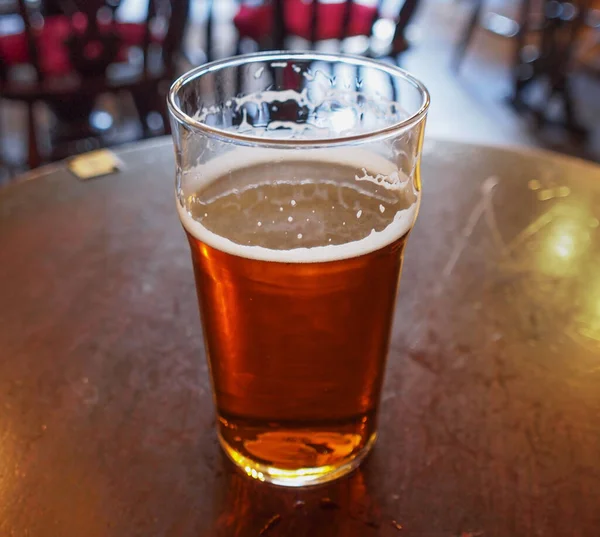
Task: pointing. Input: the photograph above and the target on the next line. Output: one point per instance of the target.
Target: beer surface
(301, 209)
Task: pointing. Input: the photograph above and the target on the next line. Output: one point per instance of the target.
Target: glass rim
(247, 139)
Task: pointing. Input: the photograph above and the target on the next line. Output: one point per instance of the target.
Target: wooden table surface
(490, 416)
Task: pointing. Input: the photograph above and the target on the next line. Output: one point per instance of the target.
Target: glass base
(301, 477)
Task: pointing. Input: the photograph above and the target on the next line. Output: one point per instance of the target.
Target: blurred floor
(469, 106)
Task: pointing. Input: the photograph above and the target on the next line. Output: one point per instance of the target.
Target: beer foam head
(371, 172)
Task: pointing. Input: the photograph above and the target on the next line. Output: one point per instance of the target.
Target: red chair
(312, 20)
(71, 54)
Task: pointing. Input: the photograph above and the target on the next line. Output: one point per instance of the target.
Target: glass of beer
(297, 186)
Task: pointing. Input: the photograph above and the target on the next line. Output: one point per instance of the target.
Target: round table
(490, 414)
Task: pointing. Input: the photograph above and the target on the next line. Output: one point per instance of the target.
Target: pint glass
(297, 186)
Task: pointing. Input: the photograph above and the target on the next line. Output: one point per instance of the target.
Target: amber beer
(297, 261)
(297, 184)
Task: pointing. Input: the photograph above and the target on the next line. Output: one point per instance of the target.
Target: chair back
(93, 42)
(329, 20)
(86, 36)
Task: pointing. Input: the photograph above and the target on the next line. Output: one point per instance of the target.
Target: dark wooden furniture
(551, 69)
(490, 417)
(546, 42)
(83, 52)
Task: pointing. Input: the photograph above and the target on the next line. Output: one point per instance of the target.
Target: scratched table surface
(490, 414)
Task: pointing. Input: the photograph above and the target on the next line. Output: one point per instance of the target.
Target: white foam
(202, 175)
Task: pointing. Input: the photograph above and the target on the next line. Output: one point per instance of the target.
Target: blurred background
(76, 75)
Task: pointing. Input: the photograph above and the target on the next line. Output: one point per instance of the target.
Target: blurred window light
(384, 29)
(501, 25)
(154, 121)
(101, 120)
